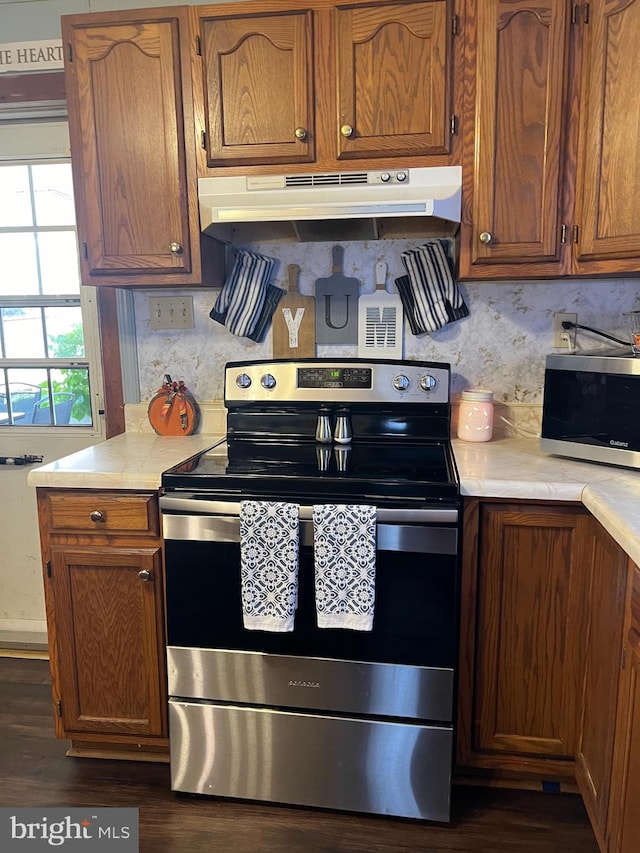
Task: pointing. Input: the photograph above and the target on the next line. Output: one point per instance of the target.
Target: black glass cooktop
(311, 469)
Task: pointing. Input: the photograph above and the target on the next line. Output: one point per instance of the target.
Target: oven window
(415, 610)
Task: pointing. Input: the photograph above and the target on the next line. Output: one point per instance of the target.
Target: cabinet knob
(301, 132)
(97, 516)
(176, 249)
(485, 237)
(144, 575)
(346, 130)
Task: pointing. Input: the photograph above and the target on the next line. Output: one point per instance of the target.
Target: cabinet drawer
(103, 512)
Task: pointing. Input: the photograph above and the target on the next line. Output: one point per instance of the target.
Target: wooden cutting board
(380, 320)
(337, 305)
(294, 330)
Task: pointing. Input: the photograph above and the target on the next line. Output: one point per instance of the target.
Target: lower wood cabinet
(550, 658)
(623, 814)
(522, 619)
(103, 579)
(602, 649)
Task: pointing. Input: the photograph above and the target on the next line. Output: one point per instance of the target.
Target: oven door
(403, 667)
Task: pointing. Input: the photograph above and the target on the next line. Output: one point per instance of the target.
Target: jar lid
(478, 395)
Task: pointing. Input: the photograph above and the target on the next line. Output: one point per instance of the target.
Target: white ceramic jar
(475, 415)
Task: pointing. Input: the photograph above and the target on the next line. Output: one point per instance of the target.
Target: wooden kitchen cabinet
(522, 620)
(549, 148)
(608, 201)
(326, 83)
(514, 171)
(602, 650)
(130, 108)
(103, 579)
(624, 815)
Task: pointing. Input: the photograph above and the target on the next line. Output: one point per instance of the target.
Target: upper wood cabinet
(130, 104)
(323, 84)
(550, 145)
(517, 68)
(392, 79)
(258, 86)
(608, 188)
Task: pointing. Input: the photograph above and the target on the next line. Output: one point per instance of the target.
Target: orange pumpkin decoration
(173, 410)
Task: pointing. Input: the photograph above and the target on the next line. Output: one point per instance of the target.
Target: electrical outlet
(171, 312)
(564, 338)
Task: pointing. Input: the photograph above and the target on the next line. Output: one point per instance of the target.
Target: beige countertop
(128, 461)
(505, 468)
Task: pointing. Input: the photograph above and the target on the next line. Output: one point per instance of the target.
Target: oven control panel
(338, 381)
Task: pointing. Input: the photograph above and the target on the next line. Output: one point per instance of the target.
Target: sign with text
(31, 56)
(82, 830)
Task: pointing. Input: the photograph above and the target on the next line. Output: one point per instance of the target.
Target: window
(45, 316)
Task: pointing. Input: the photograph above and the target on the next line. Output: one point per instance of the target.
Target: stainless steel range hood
(319, 205)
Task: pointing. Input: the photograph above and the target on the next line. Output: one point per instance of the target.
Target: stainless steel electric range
(360, 720)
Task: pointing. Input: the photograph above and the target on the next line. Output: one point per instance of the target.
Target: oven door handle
(192, 502)
(406, 538)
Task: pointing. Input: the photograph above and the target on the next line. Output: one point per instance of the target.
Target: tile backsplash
(501, 345)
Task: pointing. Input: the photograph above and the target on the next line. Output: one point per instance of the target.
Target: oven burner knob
(428, 382)
(268, 381)
(401, 382)
(243, 381)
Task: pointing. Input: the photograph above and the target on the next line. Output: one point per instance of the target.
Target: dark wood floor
(35, 772)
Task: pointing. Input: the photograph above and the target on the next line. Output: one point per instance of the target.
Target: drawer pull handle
(97, 516)
(486, 237)
(300, 133)
(346, 130)
(144, 575)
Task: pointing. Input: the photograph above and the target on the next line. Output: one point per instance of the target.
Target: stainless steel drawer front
(309, 759)
(388, 690)
(410, 538)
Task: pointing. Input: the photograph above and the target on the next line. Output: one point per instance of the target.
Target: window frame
(87, 300)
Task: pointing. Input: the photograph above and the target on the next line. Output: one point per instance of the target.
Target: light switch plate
(171, 312)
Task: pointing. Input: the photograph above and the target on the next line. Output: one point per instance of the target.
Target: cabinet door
(624, 815)
(258, 88)
(109, 639)
(608, 198)
(130, 105)
(602, 648)
(514, 163)
(527, 662)
(393, 79)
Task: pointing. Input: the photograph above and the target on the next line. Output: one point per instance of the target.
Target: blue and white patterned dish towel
(345, 565)
(269, 544)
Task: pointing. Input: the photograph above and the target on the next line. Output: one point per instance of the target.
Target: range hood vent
(347, 197)
(333, 179)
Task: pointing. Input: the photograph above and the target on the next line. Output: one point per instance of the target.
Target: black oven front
(284, 716)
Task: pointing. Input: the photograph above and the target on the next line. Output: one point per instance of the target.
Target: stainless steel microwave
(591, 407)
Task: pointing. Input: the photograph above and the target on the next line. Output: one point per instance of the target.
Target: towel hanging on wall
(429, 293)
(269, 542)
(344, 541)
(247, 300)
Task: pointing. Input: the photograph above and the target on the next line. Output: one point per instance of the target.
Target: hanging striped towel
(430, 296)
(269, 540)
(344, 538)
(241, 301)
